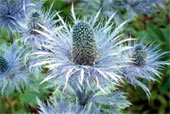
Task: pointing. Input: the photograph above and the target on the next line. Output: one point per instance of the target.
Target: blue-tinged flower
(145, 64)
(89, 51)
(13, 74)
(37, 19)
(64, 108)
(11, 11)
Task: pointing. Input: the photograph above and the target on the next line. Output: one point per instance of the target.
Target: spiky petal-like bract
(13, 74)
(84, 45)
(87, 101)
(115, 101)
(64, 108)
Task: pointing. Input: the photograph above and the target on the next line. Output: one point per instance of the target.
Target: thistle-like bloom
(11, 11)
(86, 52)
(13, 74)
(145, 64)
(37, 19)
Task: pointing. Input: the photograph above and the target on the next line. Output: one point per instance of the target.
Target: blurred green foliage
(157, 28)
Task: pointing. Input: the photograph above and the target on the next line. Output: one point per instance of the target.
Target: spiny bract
(64, 108)
(84, 45)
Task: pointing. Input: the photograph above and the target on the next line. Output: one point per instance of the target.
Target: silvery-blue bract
(64, 108)
(88, 101)
(104, 70)
(145, 64)
(13, 74)
(112, 101)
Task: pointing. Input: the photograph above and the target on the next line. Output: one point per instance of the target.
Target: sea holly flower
(37, 19)
(86, 51)
(13, 74)
(145, 64)
(11, 12)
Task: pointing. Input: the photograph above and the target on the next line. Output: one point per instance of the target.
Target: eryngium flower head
(64, 108)
(145, 64)
(100, 66)
(139, 55)
(84, 45)
(13, 74)
(37, 19)
(11, 11)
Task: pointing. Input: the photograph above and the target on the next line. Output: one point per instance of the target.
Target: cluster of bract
(85, 60)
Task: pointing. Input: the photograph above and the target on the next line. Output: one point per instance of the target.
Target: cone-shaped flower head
(84, 45)
(13, 74)
(139, 55)
(3, 64)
